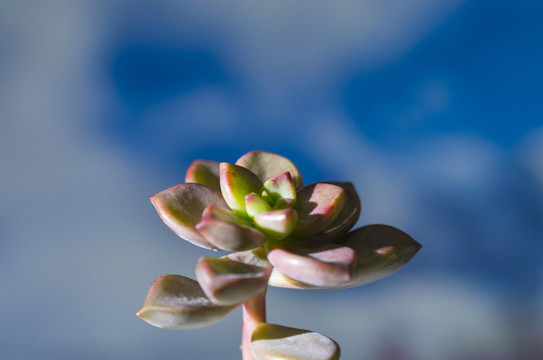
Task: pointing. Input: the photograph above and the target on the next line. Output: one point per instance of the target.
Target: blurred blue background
(434, 110)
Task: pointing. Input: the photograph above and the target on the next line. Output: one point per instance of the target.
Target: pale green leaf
(236, 183)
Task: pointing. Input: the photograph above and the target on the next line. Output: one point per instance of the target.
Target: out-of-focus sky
(434, 110)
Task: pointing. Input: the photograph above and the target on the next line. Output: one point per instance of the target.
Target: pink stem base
(254, 313)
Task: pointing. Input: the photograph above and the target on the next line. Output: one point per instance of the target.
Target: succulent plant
(279, 233)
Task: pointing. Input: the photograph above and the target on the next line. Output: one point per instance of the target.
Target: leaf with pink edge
(255, 204)
(235, 278)
(236, 183)
(346, 219)
(181, 207)
(221, 228)
(177, 302)
(219, 213)
(381, 250)
(281, 187)
(326, 264)
(268, 165)
(205, 172)
(273, 342)
(277, 224)
(318, 205)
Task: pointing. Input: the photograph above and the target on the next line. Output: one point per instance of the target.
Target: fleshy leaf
(181, 207)
(273, 342)
(177, 302)
(221, 228)
(236, 183)
(268, 165)
(277, 224)
(219, 213)
(381, 250)
(324, 265)
(235, 278)
(318, 205)
(281, 187)
(230, 237)
(347, 217)
(205, 172)
(255, 204)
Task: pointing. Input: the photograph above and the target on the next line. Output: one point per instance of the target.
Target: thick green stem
(254, 313)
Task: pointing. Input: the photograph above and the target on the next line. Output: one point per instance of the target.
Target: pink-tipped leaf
(181, 207)
(277, 224)
(347, 217)
(177, 302)
(236, 183)
(235, 278)
(381, 250)
(221, 228)
(281, 187)
(255, 204)
(318, 205)
(324, 265)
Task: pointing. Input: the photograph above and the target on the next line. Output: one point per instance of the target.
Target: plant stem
(254, 313)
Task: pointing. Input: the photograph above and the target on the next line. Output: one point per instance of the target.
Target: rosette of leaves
(278, 232)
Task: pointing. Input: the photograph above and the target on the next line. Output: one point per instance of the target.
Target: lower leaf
(272, 342)
(326, 265)
(380, 251)
(235, 278)
(177, 302)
